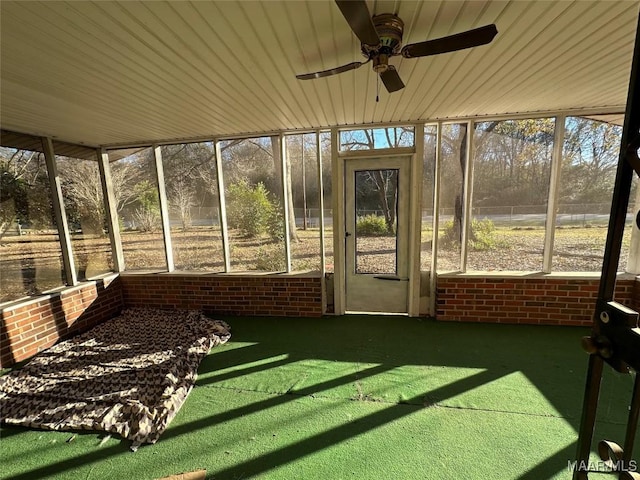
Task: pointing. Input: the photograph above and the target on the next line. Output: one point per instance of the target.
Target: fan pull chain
(377, 88)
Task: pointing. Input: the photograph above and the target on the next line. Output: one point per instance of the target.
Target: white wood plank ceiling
(116, 73)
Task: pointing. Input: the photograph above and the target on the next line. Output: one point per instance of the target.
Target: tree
(134, 185)
(258, 160)
(82, 190)
(123, 179)
(24, 190)
(286, 177)
(385, 185)
(13, 199)
(512, 162)
(302, 160)
(590, 159)
(384, 182)
(460, 142)
(188, 174)
(147, 213)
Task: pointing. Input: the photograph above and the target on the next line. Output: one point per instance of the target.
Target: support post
(433, 277)
(222, 213)
(415, 227)
(467, 195)
(304, 189)
(337, 180)
(554, 187)
(632, 424)
(588, 419)
(285, 164)
(164, 208)
(321, 205)
(605, 338)
(111, 210)
(59, 212)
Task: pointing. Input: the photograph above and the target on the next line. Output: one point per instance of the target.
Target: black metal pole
(632, 426)
(622, 187)
(627, 163)
(588, 419)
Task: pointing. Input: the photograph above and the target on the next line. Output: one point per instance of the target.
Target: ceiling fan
(381, 38)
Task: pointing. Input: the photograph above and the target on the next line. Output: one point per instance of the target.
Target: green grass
(358, 397)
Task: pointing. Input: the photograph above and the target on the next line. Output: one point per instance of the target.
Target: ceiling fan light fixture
(380, 63)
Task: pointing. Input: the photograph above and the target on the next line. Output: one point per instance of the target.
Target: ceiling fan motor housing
(389, 28)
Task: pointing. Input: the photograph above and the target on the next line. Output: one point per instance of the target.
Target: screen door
(376, 234)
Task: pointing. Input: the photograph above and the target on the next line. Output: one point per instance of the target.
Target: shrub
(271, 258)
(249, 209)
(482, 235)
(371, 226)
(146, 219)
(449, 236)
(275, 221)
(147, 214)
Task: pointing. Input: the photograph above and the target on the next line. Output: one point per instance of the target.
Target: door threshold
(390, 314)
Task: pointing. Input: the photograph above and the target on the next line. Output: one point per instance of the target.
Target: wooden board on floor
(194, 475)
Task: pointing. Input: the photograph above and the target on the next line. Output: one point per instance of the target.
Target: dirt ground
(31, 264)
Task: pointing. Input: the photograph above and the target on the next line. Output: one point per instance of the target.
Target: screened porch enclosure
(512, 196)
(212, 157)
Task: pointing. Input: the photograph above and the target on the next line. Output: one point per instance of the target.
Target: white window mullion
(164, 208)
(433, 276)
(222, 213)
(467, 195)
(320, 204)
(554, 186)
(415, 227)
(111, 210)
(284, 180)
(337, 186)
(59, 212)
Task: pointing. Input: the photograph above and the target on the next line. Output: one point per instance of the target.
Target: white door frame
(415, 220)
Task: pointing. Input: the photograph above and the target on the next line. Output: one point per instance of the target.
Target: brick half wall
(538, 300)
(29, 327)
(268, 295)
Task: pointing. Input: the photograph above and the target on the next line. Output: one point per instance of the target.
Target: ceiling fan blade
(358, 17)
(333, 71)
(391, 79)
(459, 41)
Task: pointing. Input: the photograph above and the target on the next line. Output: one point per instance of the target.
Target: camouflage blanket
(128, 376)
